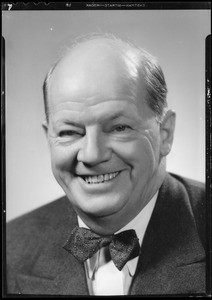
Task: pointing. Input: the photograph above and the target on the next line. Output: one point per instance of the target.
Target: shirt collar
(139, 224)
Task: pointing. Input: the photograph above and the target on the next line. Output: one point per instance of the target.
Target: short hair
(147, 67)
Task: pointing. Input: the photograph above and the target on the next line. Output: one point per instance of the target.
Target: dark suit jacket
(171, 260)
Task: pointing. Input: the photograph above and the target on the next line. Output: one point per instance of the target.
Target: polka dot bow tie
(83, 243)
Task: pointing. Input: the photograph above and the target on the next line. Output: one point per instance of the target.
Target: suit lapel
(70, 280)
(172, 254)
(55, 271)
(67, 277)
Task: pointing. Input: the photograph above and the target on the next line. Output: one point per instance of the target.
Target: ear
(45, 127)
(167, 132)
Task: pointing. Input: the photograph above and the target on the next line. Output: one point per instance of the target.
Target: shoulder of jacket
(34, 224)
(197, 198)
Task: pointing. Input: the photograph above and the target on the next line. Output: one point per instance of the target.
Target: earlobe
(45, 127)
(167, 132)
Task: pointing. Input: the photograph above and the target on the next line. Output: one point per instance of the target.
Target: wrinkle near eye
(149, 135)
(60, 142)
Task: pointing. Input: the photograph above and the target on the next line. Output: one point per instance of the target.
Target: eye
(68, 133)
(120, 128)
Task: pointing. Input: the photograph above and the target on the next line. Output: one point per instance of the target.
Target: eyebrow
(115, 116)
(118, 115)
(69, 122)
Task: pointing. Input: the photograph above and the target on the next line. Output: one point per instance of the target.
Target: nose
(94, 149)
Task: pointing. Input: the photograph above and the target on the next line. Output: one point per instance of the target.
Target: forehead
(91, 74)
(91, 112)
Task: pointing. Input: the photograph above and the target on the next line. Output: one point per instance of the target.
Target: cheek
(62, 158)
(141, 155)
(150, 151)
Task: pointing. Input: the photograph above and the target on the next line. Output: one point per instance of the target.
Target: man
(109, 132)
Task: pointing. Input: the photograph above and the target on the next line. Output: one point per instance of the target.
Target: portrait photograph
(105, 149)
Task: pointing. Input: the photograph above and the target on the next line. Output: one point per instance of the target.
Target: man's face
(104, 140)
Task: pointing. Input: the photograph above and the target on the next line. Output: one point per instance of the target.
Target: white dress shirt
(103, 277)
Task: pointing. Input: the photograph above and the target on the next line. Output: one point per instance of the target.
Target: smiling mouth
(99, 178)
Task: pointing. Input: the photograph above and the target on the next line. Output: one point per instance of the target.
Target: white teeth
(100, 178)
(94, 179)
(106, 177)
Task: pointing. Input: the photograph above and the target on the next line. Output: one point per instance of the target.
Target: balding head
(99, 60)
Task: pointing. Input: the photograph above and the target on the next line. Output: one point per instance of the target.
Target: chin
(100, 206)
